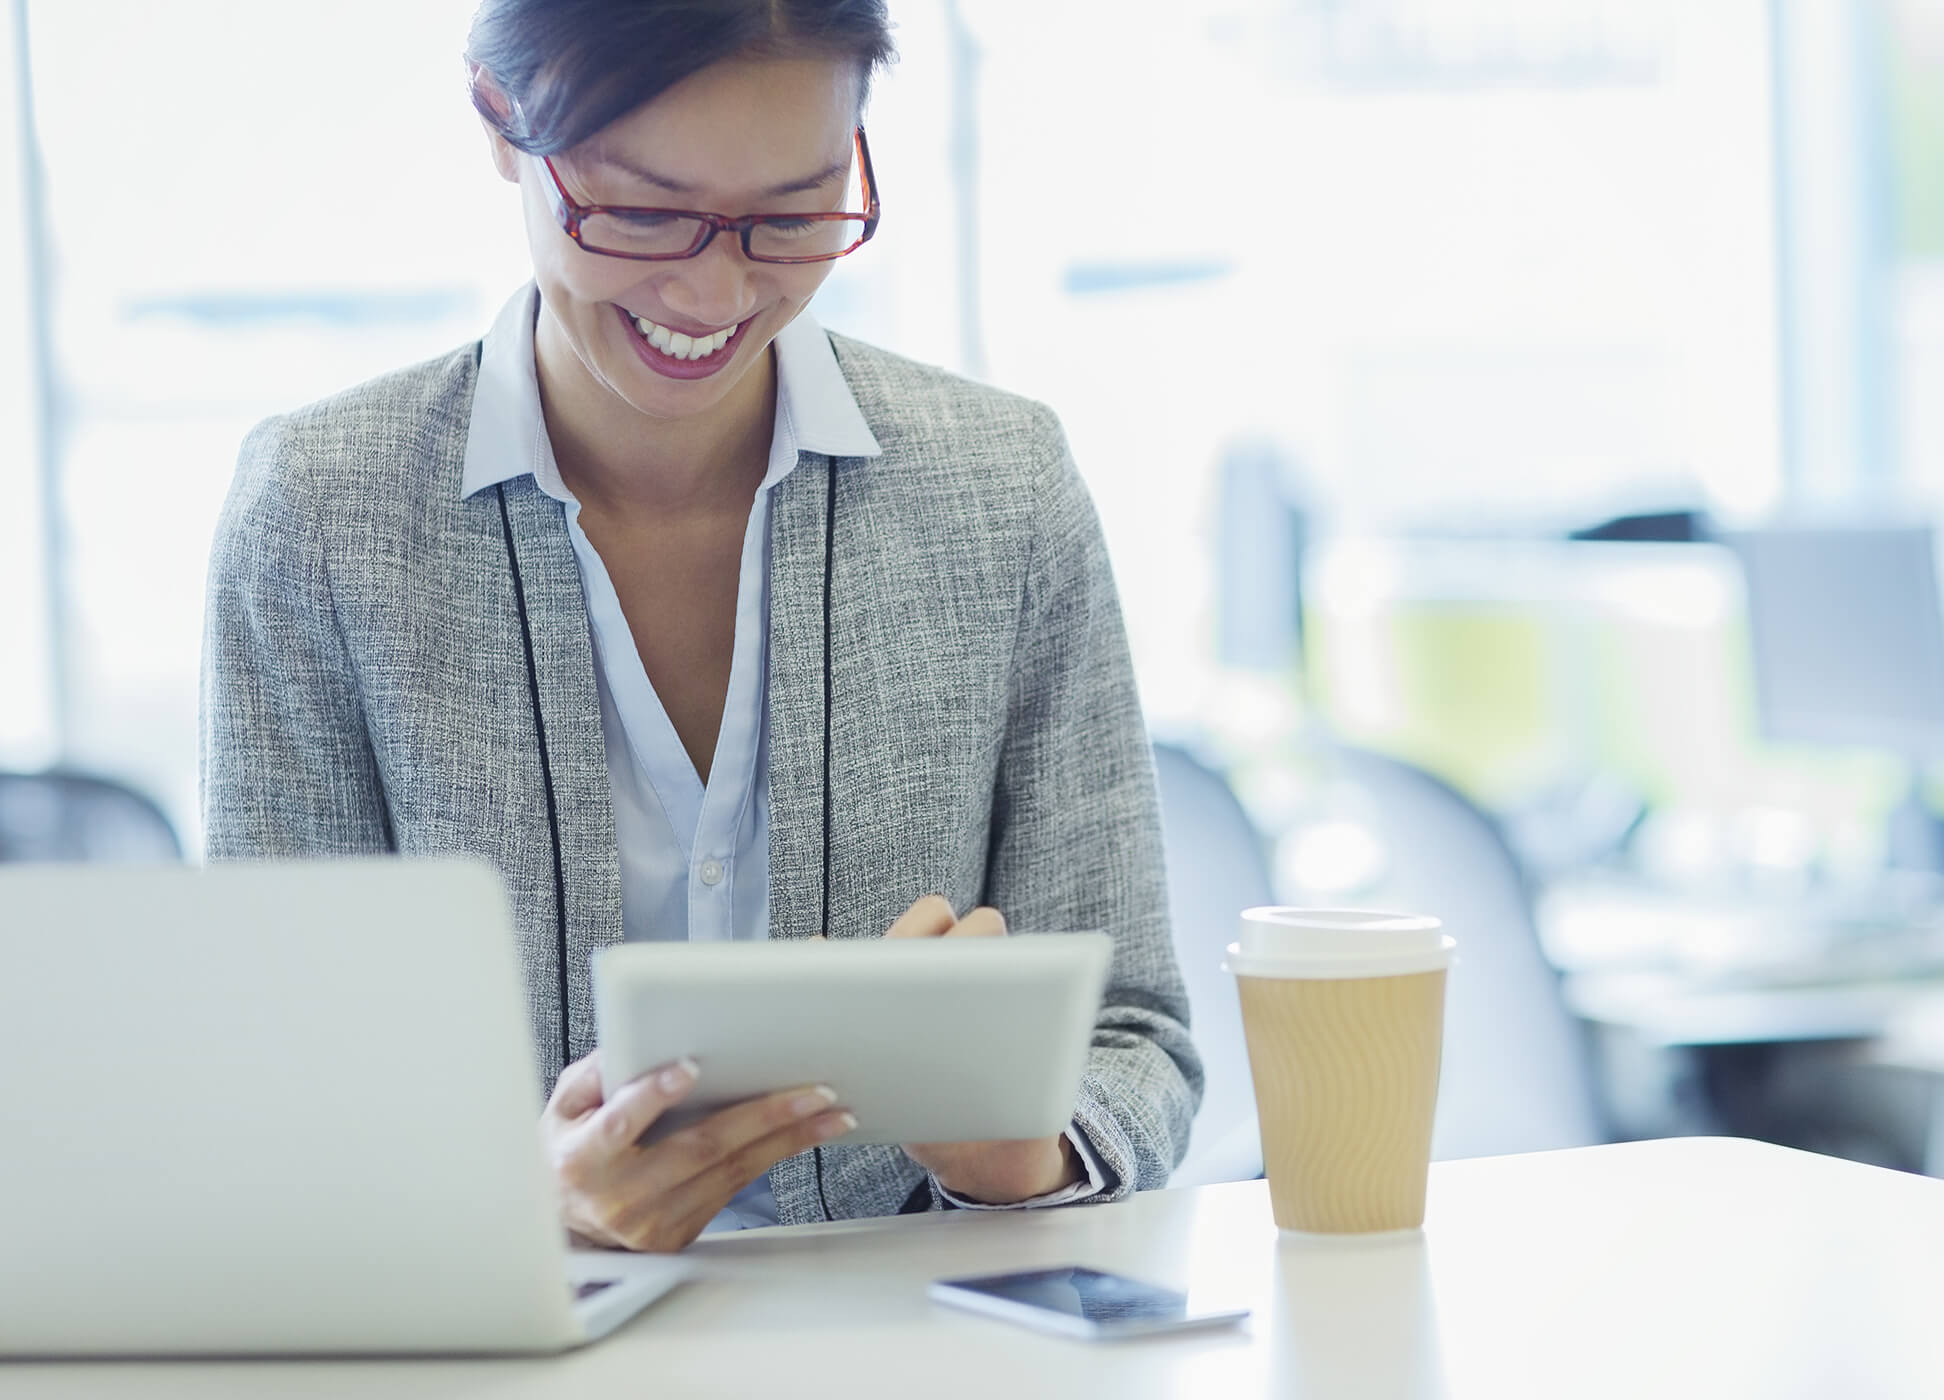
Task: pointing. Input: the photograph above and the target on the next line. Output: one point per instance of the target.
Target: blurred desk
(1730, 1013)
(1684, 1267)
(1914, 1040)
(1727, 970)
(1669, 1010)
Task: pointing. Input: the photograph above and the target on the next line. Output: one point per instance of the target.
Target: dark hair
(573, 66)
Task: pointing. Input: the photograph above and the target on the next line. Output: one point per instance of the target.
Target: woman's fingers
(983, 922)
(578, 1090)
(660, 1197)
(594, 1156)
(676, 1187)
(727, 1137)
(709, 1191)
(619, 1123)
(930, 917)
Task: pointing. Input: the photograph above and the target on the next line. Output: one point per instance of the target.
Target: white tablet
(924, 1039)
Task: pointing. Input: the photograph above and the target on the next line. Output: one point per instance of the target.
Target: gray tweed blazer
(365, 689)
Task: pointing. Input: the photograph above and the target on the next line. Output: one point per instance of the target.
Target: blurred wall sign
(1085, 279)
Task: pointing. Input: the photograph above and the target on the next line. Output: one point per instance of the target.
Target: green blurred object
(1476, 696)
(1506, 700)
(1916, 101)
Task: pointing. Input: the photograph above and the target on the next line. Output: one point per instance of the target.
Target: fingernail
(814, 1101)
(842, 1123)
(677, 1076)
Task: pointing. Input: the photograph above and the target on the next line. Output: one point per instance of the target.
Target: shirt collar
(507, 434)
(821, 403)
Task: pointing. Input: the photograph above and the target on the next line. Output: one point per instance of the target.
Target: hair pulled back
(573, 66)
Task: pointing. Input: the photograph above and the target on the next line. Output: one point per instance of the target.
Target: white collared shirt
(694, 856)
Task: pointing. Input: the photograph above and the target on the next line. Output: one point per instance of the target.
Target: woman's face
(745, 136)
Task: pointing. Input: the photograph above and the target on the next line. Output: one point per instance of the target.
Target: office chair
(63, 815)
(1217, 867)
(1518, 1068)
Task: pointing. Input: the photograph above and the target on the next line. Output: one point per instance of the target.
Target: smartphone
(1079, 1302)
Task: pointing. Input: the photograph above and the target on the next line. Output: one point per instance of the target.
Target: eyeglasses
(659, 235)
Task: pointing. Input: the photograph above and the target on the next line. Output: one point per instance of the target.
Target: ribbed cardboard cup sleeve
(1346, 1084)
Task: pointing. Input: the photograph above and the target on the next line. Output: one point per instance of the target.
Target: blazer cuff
(1095, 1183)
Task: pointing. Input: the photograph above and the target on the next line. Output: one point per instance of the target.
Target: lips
(682, 345)
(671, 353)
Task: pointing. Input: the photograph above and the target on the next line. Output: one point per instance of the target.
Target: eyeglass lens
(663, 235)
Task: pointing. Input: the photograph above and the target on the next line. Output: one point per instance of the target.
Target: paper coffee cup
(1343, 1012)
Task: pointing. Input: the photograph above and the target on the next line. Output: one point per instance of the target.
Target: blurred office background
(1416, 352)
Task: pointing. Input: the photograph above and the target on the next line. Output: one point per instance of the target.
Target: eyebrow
(808, 183)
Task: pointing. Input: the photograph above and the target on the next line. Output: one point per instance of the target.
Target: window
(1503, 263)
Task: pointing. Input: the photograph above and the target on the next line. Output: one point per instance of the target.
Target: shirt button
(711, 872)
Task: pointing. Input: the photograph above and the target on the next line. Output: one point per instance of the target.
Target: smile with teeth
(677, 346)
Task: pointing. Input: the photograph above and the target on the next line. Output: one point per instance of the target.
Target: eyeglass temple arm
(574, 211)
(870, 183)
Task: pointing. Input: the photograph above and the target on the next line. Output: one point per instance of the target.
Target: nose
(714, 286)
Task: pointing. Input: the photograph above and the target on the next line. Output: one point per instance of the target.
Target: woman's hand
(992, 1173)
(618, 1195)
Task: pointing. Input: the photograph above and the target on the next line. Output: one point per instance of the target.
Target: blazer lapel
(796, 728)
(563, 656)
(796, 695)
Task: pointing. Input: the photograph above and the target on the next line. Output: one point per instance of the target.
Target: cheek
(587, 289)
(792, 292)
(569, 277)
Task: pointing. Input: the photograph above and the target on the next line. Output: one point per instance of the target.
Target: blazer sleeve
(1076, 840)
(287, 767)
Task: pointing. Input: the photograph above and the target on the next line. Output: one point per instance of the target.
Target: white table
(1685, 1267)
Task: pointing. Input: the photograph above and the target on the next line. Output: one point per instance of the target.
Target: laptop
(279, 1109)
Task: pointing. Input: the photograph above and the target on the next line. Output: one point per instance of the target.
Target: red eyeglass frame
(573, 214)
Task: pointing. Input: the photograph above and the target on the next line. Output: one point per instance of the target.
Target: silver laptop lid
(274, 1108)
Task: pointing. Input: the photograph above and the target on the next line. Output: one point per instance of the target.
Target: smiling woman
(699, 622)
(799, 75)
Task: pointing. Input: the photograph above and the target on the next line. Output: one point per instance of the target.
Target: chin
(652, 396)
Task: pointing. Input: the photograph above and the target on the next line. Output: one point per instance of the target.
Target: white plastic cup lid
(1280, 941)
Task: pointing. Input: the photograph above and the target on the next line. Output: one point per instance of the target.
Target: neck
(616, 460)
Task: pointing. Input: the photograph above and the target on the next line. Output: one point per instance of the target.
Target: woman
(698, 622)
